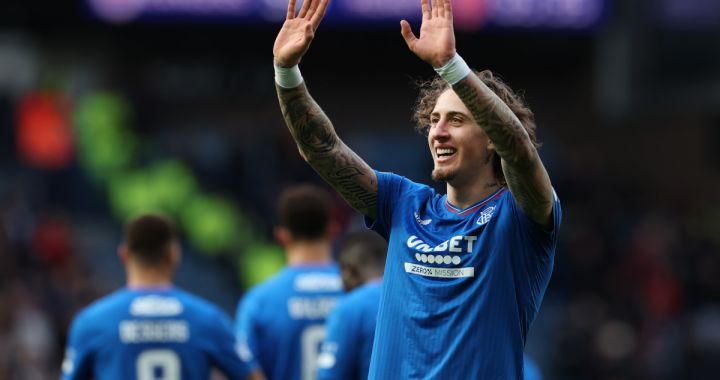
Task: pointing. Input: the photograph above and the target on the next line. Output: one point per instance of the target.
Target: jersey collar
(476, 206)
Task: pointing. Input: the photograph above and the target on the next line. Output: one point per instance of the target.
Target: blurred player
(151, 329)
(348, 344)
(282, 320)
(466, 271)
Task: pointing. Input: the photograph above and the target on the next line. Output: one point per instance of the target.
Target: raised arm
(524, 171)
(312, 130)
(525, 174)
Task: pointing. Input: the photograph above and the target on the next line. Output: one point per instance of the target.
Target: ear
(175, 254)
(351, 277)
(490, 145)
(333, 230)
(282, 236)
(123, 254)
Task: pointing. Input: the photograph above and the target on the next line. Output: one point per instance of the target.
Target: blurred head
(150, 243)
(456, 147)
(303, 214)
(361, 258)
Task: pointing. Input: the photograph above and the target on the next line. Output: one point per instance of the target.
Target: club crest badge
(485, 215)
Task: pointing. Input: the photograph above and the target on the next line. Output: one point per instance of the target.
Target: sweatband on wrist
(455, 70)
(287, 77)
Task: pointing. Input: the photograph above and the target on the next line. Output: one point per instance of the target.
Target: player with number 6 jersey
(151, 330)
(282, 320)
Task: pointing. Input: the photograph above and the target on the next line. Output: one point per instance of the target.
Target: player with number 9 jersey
(153, 334)
(151, 330)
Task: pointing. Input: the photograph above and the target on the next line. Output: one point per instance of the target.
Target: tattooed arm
(524, 172)
(321, 147)
(313, 132)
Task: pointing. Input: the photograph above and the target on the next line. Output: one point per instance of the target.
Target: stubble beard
(443, 174)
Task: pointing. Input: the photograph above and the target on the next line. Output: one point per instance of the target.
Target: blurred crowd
(636, 289)
(43, 283)
(635, 294)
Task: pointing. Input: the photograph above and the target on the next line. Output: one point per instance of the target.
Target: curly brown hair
(430, 91)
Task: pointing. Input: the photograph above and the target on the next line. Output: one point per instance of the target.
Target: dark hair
(365, 250)
(305, 211)
(148, 238)
(430, 92)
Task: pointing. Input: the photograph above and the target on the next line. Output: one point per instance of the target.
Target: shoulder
(110, 303)
(264, 293)
(101, 311)
(392, 179)
(365, 291)
(202, 314)
(345, 304)
(279, 280)
(398, 192)
(197, 304)
(357, 299)
(513, 207)
(372, 289)
(507, 203)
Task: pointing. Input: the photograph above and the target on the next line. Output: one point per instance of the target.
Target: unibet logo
(427, 254)
(455, 244)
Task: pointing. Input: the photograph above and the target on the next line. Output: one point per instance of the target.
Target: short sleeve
(390, 189)
(246, 328)
(79, 353)
(544, 239)
(226, 351)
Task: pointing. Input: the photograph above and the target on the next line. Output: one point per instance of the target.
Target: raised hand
(436, 44)
(297, 32)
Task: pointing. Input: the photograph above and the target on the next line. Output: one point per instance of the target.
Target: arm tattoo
(524, 172)
(510, 139)
(321, 147)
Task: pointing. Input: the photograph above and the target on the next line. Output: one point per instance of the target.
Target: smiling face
(460, 149)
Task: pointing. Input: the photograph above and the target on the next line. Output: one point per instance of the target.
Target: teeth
(443, 151)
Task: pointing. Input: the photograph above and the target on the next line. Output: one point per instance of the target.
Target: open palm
(436, 44)
(297, 32)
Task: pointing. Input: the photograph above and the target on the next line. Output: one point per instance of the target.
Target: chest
(432, 244)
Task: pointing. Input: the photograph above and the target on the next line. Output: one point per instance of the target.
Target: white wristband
(287, 77)
(455, 70)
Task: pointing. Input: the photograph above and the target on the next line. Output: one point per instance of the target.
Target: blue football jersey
(461, 287)
(345, 353)
(143, 334)
(282, 320)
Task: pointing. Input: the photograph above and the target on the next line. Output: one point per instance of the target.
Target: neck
(308, 252)
(373, 275)
(148, 277)
(465, 194)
